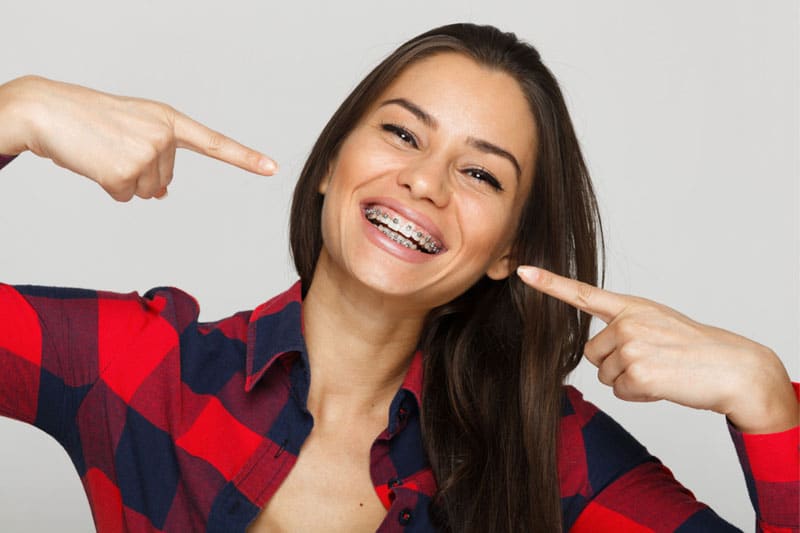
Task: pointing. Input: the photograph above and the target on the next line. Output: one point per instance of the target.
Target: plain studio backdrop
(687, 113)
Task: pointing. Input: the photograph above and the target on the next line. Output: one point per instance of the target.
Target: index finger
(598, 302)
(196, 137)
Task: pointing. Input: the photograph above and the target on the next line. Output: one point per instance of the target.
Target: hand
(127, 145)
(649, 352)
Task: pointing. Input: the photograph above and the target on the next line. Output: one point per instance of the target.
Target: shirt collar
(275, 330)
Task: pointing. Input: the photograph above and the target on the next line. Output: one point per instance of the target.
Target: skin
(649, 352)
(365, 306)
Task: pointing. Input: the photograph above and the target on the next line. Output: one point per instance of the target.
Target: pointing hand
(648, 352)
(127, 145)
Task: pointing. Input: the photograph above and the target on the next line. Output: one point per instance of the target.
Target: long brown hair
(496, 357)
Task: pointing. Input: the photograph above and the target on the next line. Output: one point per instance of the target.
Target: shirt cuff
(6, 159)
(771, 466)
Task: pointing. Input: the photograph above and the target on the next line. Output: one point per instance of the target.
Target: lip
(418, 219)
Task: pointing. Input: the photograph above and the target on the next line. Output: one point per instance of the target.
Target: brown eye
(401, 133)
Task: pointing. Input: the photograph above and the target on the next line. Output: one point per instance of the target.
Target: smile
(402, 231)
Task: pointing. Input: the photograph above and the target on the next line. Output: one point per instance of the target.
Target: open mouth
(402, 231)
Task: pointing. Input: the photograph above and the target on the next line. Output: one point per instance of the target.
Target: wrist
(16, 115)
(767, 402)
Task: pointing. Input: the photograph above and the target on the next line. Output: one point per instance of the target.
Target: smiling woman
(439, 397)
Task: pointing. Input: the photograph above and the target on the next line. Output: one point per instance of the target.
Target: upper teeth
(415, 237)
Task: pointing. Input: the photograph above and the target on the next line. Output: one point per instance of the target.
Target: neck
(359, 347)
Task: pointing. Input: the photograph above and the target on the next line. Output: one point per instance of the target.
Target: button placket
(404, 517)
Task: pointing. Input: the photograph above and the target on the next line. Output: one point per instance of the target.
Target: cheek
(363, 158)
(487, 226)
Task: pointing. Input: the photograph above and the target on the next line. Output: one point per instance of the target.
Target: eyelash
(407, 137)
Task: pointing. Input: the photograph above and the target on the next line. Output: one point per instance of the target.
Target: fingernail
(161, 195)
(528, 272)
(268, 165)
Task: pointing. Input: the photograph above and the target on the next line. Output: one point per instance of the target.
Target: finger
(166, 166)
(626, 387)
(197, 137)
(598, 302)
(600, 346)
(610, 368)
(148, 183)
(121, 192)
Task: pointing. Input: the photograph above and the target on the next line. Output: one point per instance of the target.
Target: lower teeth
(397, 238)
(382, 221)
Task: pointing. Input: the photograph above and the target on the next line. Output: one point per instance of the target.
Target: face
(425, 193)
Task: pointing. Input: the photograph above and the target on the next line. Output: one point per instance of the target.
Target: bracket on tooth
(393, 223)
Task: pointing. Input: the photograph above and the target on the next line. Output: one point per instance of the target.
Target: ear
(502, 267)
(323, 183)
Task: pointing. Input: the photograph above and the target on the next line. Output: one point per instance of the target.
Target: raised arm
(650, 352)
(54, 342)
(127, 145)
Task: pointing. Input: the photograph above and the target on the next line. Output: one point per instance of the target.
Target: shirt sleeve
(6, 159)
(57, 344)
(771, 466)
(609, 482)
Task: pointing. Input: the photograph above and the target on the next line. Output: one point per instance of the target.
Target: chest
(329, 488)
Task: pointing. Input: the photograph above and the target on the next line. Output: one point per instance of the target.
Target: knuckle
(147, 153)
(162, 139)
(215, 143)
(629, 351)
(122, 195)
(628, 329)
(619, 390)
(114, 187)
(123, 172)
(585, 292)
(639, 374)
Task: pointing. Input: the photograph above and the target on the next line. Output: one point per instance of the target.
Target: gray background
(687, 112)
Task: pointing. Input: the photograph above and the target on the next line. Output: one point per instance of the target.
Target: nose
(427, 180)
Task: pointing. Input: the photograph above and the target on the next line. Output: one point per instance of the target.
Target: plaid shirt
(180, 425)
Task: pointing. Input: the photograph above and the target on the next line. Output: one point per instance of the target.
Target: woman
(452, 166)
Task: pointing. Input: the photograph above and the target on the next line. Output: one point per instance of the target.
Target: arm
(771, 466)
(56, 344)
(611, 483)
(649, 352)
(51, 340)
(124, 144)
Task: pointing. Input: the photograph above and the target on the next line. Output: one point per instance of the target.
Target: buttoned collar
(275, 333)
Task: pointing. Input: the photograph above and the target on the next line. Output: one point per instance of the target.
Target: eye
(402, 133)
(484, 177)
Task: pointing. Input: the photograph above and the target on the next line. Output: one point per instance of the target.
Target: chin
(418, 289)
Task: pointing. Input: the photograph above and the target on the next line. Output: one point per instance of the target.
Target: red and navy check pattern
(180, 425)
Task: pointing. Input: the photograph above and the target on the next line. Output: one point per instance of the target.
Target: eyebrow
(480, 144)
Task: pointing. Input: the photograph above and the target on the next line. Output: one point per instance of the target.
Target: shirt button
(402, 414)
(395, 481)
(404, 517)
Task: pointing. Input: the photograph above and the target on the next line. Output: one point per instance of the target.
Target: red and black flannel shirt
(180, 425)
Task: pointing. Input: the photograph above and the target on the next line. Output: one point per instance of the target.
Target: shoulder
(103, 311)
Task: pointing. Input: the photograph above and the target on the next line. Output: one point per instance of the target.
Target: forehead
(469, 99)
